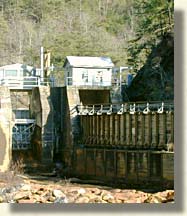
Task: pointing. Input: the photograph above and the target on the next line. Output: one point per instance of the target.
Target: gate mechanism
(21, 134)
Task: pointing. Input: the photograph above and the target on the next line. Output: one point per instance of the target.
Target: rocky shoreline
(23, 189)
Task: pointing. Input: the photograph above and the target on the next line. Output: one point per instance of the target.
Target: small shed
(19, 76)
(18, 71)
(86, 70)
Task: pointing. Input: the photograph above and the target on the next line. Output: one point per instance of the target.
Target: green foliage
(125, 30)
(154, 19)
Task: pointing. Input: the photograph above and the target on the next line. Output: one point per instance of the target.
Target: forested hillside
(125, 30)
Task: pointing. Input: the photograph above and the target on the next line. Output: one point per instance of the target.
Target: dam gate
(125, 143)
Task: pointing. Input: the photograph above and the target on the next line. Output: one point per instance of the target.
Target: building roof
(17, 66)
(87, 61)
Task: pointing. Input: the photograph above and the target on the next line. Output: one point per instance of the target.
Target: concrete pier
(6, 124)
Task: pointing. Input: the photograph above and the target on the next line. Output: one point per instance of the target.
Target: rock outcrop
(155, 80)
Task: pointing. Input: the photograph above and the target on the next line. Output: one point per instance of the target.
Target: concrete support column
(84, 126)
(157, 130)
(116, 130)
(142, 129)
(172, 126)
(94, 130)
(106, 129)
(98, 130)
(154, 130)
(111, 129)
(87, 130)
(122, 130)
(101, 128)
(136, 129)
(128, 129)
(91, 130)
(139, 134)
(6, 125)
(147, 142)
(169, 127)
(162, 130)
(82, 123)
(149, 130)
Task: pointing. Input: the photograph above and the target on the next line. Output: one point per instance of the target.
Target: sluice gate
(124, 143)
(141, 126)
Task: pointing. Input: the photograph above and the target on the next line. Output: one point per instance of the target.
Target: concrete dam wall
(95, 139)
(6, 123)
(124, 147)
(126, 167)
(129, 146)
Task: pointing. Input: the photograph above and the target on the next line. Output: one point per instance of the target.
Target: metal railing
(27, 82)
(70, 82)
(121, 108)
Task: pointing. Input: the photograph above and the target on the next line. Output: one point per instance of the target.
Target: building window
(69, 81)
(99, 76)
(85, 76)
(11, 72)
(69, 73)
(21, 114)
(1, 73)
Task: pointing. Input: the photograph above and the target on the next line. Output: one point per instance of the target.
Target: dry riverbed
(25, 189)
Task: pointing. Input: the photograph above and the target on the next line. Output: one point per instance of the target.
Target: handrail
(71, 82)
(27, 82)
(121, 108)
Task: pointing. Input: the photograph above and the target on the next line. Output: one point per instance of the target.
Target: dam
(118, 142)
(88, 129)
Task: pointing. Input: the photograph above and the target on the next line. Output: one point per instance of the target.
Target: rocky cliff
(155, 80)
